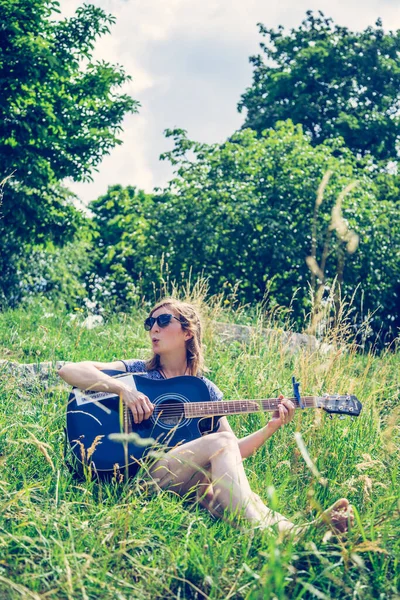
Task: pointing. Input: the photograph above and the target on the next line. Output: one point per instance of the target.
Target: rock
(44, 373)
(243, 333)
(92, 321)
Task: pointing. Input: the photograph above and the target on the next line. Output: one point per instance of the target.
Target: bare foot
(338, 519)
(339, 516)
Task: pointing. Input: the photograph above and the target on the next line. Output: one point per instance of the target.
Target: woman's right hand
(138, 403)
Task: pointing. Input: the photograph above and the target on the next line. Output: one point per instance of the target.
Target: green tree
(332, 81)
(242, 213)
(123, 254)
(60, 114)
(57, 273)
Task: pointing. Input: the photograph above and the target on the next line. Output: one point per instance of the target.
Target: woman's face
(170, 338)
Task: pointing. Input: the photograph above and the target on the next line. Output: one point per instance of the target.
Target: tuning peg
(341, 417)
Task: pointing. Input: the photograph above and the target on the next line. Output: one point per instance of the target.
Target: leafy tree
(60, 113)
(242, 213)
(333, 81)
(57, 273)
(123, 253)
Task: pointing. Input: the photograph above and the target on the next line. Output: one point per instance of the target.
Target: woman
(208, 469)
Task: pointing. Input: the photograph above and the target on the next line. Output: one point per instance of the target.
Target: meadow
(61, 538)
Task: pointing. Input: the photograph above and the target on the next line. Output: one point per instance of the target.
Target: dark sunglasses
(162, 321)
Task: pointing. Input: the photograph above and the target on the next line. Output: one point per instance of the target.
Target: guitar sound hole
(170, 412)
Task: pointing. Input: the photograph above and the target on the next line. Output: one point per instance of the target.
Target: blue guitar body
(90, 422)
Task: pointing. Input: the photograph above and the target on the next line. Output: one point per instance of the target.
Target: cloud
(189, 64)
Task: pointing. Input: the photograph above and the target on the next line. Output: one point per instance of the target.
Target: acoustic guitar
(102, 434)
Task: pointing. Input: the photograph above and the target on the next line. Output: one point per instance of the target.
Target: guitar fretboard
(236, 407)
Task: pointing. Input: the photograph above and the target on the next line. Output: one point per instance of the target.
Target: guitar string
(307, 400)
(271, 401)
(196, 407)
(238, 405)
(203, 409)
(174, 411)
(219, 407)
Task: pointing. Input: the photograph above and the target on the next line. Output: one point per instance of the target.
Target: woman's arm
(86, 375)
(249, 444)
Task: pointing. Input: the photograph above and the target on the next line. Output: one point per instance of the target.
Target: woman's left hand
(284, 413)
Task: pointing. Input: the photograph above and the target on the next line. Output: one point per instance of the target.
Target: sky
(189, 63)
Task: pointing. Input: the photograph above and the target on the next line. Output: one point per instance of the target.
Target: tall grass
(64, 539)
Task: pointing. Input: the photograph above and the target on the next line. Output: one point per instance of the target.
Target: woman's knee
(223, 441)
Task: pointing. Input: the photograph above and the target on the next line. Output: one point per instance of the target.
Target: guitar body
(90, 423)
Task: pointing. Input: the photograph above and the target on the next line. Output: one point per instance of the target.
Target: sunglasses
(162, 321)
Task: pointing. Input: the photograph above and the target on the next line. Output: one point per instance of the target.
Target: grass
(63, 539)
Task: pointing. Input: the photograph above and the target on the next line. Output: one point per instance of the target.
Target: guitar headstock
(340, 405)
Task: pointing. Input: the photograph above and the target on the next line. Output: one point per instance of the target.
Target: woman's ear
(188, 336)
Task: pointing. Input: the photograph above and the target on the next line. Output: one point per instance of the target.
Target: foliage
(123, 245)
(27, 268)
(63, 539)
(333, 81)
(60, 114)
(57, 273)
(242, 212)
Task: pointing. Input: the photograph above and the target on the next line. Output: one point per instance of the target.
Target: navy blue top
(134, 365)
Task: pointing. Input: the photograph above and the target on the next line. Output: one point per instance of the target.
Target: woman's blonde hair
(190, 321)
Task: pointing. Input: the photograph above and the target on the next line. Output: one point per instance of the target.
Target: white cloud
(189, 64)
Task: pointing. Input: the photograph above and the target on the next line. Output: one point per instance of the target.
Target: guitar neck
(237, 407)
